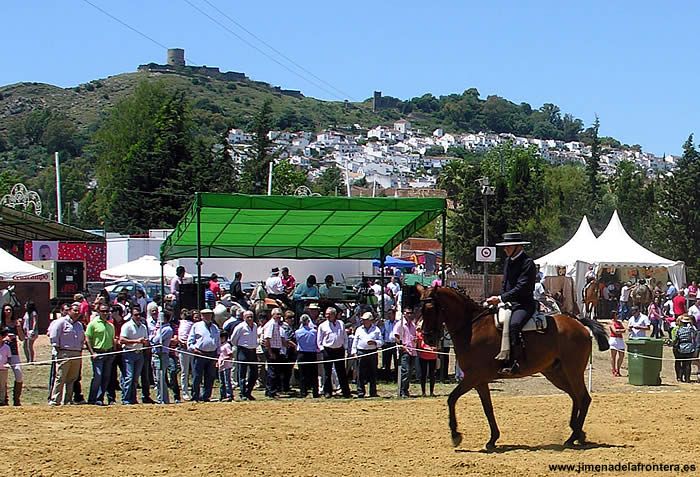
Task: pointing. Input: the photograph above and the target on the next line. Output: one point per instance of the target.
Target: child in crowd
(4, 366)
(225, 364)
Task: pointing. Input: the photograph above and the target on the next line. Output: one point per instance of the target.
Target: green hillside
(216, 103)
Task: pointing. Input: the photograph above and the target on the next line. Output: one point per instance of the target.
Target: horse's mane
(469, 302)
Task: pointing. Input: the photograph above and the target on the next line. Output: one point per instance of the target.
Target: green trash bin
(644, 371)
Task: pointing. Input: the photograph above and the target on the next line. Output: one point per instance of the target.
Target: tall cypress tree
(680, 211)
(256, 163)
(593, 168)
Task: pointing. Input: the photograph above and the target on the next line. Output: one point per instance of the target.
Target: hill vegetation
(134, 147)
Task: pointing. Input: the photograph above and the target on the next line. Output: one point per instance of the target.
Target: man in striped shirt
(273, 341)
(332, 340)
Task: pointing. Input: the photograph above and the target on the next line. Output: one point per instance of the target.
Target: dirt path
(344, 438)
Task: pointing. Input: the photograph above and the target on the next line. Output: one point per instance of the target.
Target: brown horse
(560, 353)
(591, 297)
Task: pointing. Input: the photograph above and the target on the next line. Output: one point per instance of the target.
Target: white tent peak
(579, 247)
(616, 247)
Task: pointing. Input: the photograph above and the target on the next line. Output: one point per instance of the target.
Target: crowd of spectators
(151, 353)
(671, 314)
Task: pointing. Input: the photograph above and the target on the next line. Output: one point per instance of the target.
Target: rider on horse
(519, 276)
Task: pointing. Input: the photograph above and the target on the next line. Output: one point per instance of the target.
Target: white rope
(658, 358)
(234, 361)
(82, 356)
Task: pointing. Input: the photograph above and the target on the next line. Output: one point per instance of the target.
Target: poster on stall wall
(42, 250)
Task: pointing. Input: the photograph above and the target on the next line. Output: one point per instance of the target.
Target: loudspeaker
(188, 296)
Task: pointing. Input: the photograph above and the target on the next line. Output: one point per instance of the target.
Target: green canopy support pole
(444, 261)
(198, 211)
(381, 295)
(162, 281)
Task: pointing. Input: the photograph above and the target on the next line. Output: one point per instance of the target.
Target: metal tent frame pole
(198, 200)
(162, 281)
(444, 257)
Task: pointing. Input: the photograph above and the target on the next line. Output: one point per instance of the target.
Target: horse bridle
(488, 310)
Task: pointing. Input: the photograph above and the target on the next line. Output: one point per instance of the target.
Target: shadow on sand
(551, 447)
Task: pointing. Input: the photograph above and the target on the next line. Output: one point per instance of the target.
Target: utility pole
(486, 191)
(269, 180)
(59, 208)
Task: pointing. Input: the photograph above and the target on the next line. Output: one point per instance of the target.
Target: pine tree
(680, 211)
(255, 166)
(593, 162)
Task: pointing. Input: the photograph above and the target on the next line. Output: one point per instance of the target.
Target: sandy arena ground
(379, 437)
(385, 436)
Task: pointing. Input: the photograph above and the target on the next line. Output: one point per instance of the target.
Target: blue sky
(633, 63)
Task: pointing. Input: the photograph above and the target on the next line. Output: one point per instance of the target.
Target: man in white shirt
(273, 341)
(175, 288)
(204, 341)
(624, 301)
(394, 287)
(638, 323)
(377, 288)
(332, 341)
(245, 339)
(274, 286)
(695, 311)
(133, 337)
(365, 345)
(273, 283)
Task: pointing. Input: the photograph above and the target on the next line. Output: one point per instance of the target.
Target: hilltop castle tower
(376, 101)
(176, 57)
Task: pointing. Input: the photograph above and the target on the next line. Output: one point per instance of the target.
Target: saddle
(537, 322)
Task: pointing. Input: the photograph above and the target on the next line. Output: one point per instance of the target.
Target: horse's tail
(598, 333)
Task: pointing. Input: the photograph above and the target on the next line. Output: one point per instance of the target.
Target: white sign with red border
(485, 254)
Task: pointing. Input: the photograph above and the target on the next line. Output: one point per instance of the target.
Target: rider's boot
(512, 366)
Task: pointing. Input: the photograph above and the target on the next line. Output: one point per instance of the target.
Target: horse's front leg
(462, 388)
(485, 396)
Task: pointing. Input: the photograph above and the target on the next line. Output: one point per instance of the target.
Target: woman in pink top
(692, 293)
(427, 358)
(617, 343)
(656, 316)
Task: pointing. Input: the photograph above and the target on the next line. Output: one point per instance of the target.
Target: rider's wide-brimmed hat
(512, 238)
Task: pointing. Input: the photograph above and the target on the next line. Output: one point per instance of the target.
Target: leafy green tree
(255, 165)
(60, 135)
(8, 178)
(74, 172)
(435, 151)
(594, 191)
(563, 186)
(634, 199)
(144, 149)
(361, 182)
(330, 182)
(679, 222)
(465, 221)
(286, 178)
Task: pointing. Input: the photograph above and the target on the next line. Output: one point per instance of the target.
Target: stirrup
(510, 370)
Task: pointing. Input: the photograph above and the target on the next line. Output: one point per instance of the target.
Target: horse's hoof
(570, 443)
(490, 446)
(456, 439)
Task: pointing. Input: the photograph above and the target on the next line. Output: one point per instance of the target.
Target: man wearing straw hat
(365, 345)
(519, 277)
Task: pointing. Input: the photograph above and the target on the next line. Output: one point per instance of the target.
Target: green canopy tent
(250, 226)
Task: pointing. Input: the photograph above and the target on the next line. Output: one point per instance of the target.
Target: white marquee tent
(578, 248)
(143, 269)
(617, 249)
(613, 248)
(12, 268)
